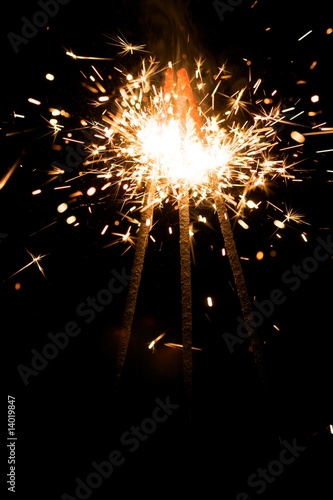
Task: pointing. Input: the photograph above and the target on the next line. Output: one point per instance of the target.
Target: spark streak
(35, 260)
(8, 174)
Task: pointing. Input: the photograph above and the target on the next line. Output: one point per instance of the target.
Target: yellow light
(259, 255)
(49, 77)
(178, 155)
(209, 302)
(315, 98)
(71, 219)
(34, 101)
(243, 224)
(251, 204)
(62, 208)
(297, 136)
(279, 224)
(91, 191)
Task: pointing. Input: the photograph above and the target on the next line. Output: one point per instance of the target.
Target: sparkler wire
(136, 273)
(186, 289)
(240, 283)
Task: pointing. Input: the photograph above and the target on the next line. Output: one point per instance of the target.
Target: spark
(123, 238)
(320, 132)
(209, 301)
(295, 216)
(74, 56)
(303, 36)
(173, 345)
(54, 126)
(153, 343)
(125, 46)
(34, 101)
(9, 173)
(35, 260)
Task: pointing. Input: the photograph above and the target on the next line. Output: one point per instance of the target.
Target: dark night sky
(66, 415)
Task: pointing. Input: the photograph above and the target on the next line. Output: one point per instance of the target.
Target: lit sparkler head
(162, 135)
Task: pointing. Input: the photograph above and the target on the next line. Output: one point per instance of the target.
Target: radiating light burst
(125, 46)
(151, 137)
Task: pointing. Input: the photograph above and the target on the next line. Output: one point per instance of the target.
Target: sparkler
(136, 273)
(156, 143)
(177, 151)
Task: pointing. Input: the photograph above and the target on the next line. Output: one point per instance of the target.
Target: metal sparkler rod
(185, 103)
(186, 288)
(240, 283)
(136, 273)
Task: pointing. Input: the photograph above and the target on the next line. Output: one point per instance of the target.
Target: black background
(67, 416)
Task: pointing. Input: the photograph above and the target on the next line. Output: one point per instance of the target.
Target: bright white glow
(71, 219)
(178, 155)
(62, 208)
(279, 224)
